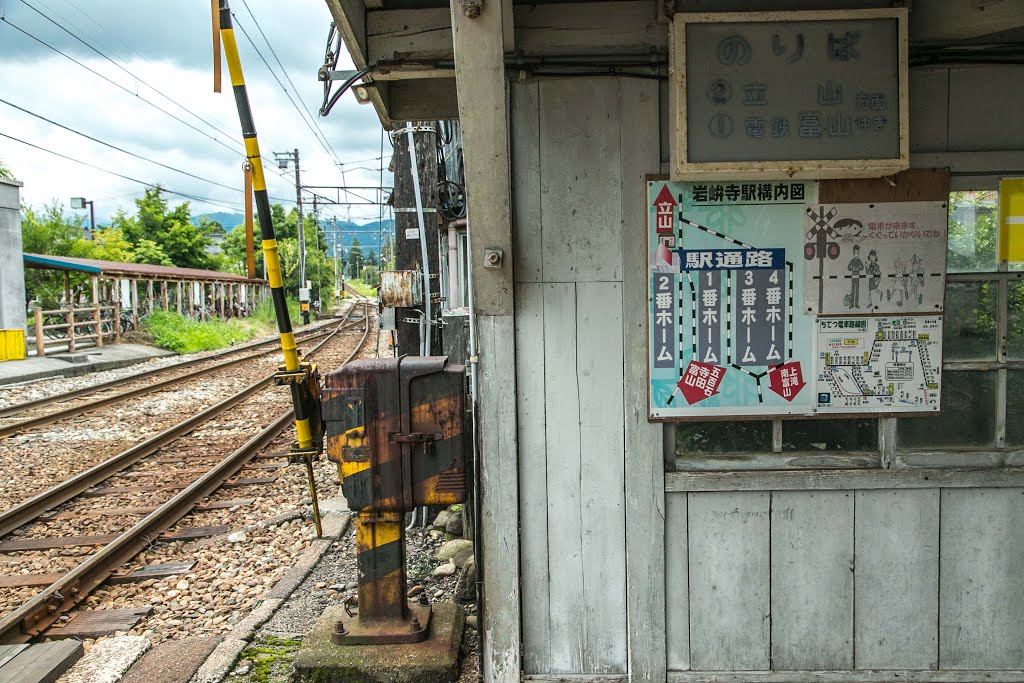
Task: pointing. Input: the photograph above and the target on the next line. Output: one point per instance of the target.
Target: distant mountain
(228, 220)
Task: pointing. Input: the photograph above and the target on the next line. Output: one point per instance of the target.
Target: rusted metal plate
(401, 288)
(385, 631)
(396, 428)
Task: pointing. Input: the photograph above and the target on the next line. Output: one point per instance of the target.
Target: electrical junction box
(303, 294)
(401, 288)
(398, 429)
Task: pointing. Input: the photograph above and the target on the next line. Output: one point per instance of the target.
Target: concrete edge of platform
(67, 369)
(223, 658)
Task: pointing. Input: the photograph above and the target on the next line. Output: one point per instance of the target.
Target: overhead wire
(290, 82)
(125, 151)
(115, 83)
(119, 149)
(207, 200)
(122, 68)
(298, 109)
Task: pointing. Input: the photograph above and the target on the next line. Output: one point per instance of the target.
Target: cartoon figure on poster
(905, 271)
(725, 336)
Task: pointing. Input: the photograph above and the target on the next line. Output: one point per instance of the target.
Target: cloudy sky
(160, 53)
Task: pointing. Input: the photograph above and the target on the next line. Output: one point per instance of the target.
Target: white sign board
(878, 364)
(875, 259)
(790, 94)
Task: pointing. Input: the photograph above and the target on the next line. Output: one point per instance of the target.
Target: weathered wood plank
(590, 28)
(677, 584)
(533, 503)
(9, 652)
(897, 579)
(146, 509)
(409, 34)
(729, 581)
(644, 469)
(812, 580)
(97, 623)
(42, 663)
(526, 182)
(602, 485)
(776, 461)
(582, 184)
(564, 473)
(981, 586)
(102, 539)
(795, 480)
(499, 496)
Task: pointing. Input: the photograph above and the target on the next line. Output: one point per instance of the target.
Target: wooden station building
(787, 516)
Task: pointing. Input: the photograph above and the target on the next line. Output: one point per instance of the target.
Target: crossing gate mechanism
(397, 428)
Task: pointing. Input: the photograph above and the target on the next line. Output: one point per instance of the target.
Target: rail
(45, 608)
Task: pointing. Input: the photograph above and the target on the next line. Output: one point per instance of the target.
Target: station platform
(109, 357)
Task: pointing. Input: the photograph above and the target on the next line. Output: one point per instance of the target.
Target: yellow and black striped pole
(304, 396)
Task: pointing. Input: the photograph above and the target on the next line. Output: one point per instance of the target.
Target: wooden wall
(576, 143)
(841, 580)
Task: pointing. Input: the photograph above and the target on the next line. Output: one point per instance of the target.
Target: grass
(362, 288)
(175, 332)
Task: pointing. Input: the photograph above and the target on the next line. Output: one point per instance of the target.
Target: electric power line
(119, 149)
(284, 89)
(115, 83)
(122, 68)
(290, 82)
(197, 198)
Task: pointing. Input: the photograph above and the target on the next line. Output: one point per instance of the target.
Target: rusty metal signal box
(397, 428)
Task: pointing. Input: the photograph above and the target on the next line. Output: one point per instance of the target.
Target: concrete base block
(435, 660)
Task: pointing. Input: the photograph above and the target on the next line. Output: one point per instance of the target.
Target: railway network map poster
(878, 364)
(727, 332)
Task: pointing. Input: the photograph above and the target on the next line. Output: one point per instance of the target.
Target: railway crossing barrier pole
(301, 376)
(40, 345)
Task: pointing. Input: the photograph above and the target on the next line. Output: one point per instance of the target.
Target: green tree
(181, 242)
(387, 253)
(51, 232)
(5, 172)
(371, 258)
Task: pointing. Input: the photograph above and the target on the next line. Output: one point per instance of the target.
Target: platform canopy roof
(138, 271)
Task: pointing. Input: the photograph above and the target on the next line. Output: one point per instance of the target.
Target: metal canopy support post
(483, 112)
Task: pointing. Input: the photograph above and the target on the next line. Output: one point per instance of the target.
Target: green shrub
(264, 312)
(177, 333)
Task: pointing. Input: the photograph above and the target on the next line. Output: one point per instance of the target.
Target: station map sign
(818, 95)
(731, 332)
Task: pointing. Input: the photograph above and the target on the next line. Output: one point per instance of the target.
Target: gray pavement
(110, 357)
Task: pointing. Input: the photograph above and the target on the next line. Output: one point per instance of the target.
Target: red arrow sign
(787, 380)
(664, 204)
(700, 381)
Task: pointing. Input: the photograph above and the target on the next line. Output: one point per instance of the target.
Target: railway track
(182, 466)
(32, 414)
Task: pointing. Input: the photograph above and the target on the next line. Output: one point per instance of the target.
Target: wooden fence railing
(70, 326)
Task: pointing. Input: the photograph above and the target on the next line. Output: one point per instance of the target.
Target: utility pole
(408, 249)
(282, 159)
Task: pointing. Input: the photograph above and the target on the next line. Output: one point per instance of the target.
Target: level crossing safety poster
(746, 290)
